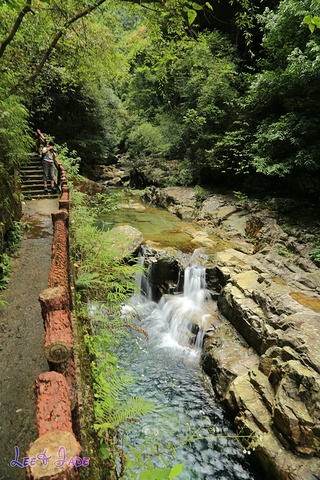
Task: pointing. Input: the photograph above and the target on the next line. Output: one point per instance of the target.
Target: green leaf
(312, 27)
(307, 19)
(176, 470)
(196, 6)
(8, 4)
(192, 14)
(207, 4)
(155, 474)
(105, 452)
(316, 21)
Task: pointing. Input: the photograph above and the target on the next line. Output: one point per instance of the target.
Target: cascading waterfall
(184, 313)
(168, 373)
(143, 283)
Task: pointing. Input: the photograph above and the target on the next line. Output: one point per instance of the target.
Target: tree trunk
(54, 456)
(60, 272)
(53, 299)
(58, 342)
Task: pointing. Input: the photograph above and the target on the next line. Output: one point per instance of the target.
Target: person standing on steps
(48, 159)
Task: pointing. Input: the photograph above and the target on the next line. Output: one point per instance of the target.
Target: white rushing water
(168, 372)
(183, 314)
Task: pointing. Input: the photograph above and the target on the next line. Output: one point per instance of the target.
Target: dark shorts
(48, 171)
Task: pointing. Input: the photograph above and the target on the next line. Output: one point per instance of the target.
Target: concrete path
(22, 335)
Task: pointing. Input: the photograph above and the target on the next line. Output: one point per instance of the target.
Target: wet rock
(127, 238)
(153, 171)
(274, 304)
(296, 407)
(115, 182)
(109, 174)
(213, 210)
(165, 269)
(178, 200)
(265, 230)
(139, 207)
(89, 186)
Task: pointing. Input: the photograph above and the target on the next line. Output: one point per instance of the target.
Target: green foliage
(201, 194)
(158, 473)
(313, 21)
(103, 275)
(242, 198)
(195, 99)
(315, 255)
(3, 303)
(15, 140)
(286, 142)
(69, 160)
(100, 259)
(5, 269)
(288, 230)
(150, 81)
(283, 252)
(145, 139)
(71, 95)
(13, 238)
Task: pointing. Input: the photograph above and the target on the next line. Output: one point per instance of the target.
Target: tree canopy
(226, 88)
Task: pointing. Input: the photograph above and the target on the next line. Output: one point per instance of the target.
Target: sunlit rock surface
(265, 363)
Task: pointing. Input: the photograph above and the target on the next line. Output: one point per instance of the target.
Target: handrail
(58, 386)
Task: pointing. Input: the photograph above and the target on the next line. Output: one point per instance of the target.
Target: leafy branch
(313, 21)
(56, 39)
(26, 9)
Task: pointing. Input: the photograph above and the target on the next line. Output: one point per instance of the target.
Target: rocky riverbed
(264, 362)
(261, 349)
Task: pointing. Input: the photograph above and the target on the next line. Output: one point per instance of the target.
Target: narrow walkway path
(22, 334)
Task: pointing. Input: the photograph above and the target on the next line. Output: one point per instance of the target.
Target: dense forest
(226, 89)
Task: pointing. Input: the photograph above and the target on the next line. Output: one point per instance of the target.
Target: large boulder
(178, 200)
(127, 239)
(88, 186)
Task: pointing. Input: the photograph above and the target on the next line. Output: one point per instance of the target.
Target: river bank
(264, 365)
(269, 290)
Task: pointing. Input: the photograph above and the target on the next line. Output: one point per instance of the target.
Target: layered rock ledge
(264, 360)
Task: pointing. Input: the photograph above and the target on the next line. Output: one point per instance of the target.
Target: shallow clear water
(170, 375)
(154, 223)
(168, 372)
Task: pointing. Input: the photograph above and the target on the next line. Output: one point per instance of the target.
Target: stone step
(32, 160)
(27, 168)
(32, 186)
(40, 193)
(33, 179)
(32, 168)
(37, 196)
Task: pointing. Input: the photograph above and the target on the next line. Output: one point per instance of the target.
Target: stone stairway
(32, 179)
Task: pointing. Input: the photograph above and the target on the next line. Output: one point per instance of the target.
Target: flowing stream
(168, 373)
